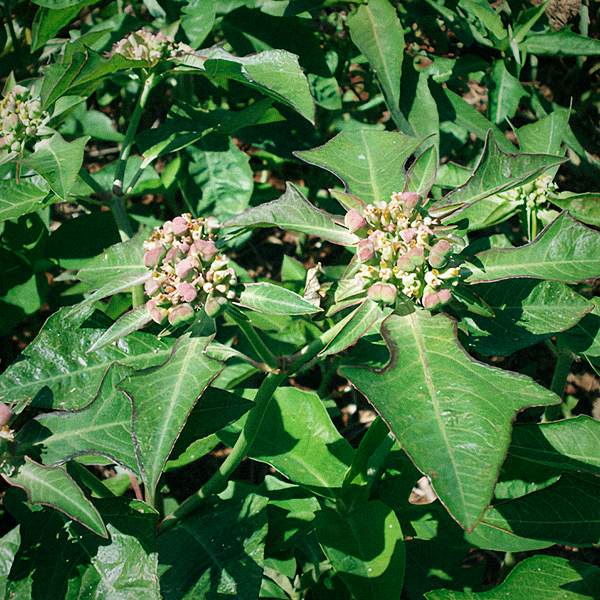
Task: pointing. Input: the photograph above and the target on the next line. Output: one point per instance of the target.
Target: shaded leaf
(276, 300)
(120, 284)
(572, 444)
(53, 487)
(583, 207)
(566, 512)
(368, 162)
(544, 135)
(505, 94)
(551, 577)
(564, 251)
(563, 42)
(377, 32)
(217, 551)
(293, 211)
(162, 399)
(451, 414)
(525, 312)
(131, 321)
(584, 338)
(369, 558)
(58, 162)
(197, 21)
(422, 173)
(55, 371)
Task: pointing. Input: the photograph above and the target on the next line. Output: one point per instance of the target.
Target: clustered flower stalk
(188, 271)
(22, 117)
(404, 250)
(151, 47)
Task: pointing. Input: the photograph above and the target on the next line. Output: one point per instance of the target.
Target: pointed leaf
(377, 32)
(58, 162)
(55, 371)
(101, 429)
(563, 42)
(53, 487)
(273, 299)
(551, 577)
(368, 162)
(505, 93)
(564, 251)
(451, 414)
(567, 512)
(583, 207)
(162, 400)
(584, 338)
(544, 135)
(369, 558)
(120, 260)
(80, 564)
(119, 284)
(572, 444)
(17, 199)
(131, 321)
(526, 311)
(218, 550)
(496, 172)
(293, 211)
(422, 173)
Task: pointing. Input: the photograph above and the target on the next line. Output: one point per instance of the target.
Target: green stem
(255, 340)
(584, 23)
(117, 206)
(218, 481)
(13, 34)
(130, 134)
(559, 382)
(98, 189)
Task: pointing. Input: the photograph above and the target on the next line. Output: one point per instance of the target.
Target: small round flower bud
(181, 315)
(382, 292)
(436, 299)
(354, 221)
(365, 251)
(438, 256)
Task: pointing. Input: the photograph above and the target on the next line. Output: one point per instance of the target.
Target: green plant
(162, 346)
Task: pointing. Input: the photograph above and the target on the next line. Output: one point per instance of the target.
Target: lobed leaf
(368, 162)
(451, 414)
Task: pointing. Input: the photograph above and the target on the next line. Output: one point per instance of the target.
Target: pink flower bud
(151, 287)
(215, 305)
(437, 299)
(157, 314)
(181, 315)
(171, 254)
(354, 220)
(414, 258)
(365, 251)
(6, 414)
(152, 257)
(410, 199)
(206, 249)
(438, 256)
(183, 267)
(408, 234)
(382, 292)
(187, 291)
(180, 225)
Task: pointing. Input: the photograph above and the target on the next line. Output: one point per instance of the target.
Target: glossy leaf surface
(272, 299)
(451, 414)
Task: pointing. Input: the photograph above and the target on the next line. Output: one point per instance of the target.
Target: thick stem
(218, 481)
(559, 382)
(91, 182)
(584, 23)
(117, 206)
(130, 134)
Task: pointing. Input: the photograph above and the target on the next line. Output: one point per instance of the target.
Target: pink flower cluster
(404, 250)
(144, 45)
(188, 272)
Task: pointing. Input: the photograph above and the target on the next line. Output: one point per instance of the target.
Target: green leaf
(571, 444)
(526, 311)
(9, 545)
(119, 285)
(544, 135)
(17, 199)
(486, 212)
(451, 414)
(563, 251)
(101, 429)
(58, 162)
(273, 299)
(566, 512)
(378, 34)
(526, 19)
(197, 20)
(162, 399)
(418, 105)
(584, 338)
(368, 162)
(276, 73)
(551, 577)
(494, 173)
(422, 173)
(563, 42)
(117, 262)
(53, 487)
(131, 321)
(505, 93)
(300, 441)
(293, 211)
(55, 372)
(217, 551)
(221, 176)
(79, 563)
(366, 548)
(583, 207)
(48, 21)
(486, 14)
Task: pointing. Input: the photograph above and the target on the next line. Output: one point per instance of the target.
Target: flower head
(21, 116)
(188, 272)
